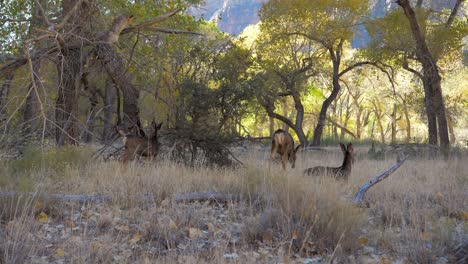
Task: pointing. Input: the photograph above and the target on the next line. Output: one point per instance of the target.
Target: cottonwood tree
(417, 38)
(287, 62)
(329, 25)
(79, 35)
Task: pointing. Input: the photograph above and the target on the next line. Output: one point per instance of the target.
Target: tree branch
(151, 22)
(454, 12)
(364, 188)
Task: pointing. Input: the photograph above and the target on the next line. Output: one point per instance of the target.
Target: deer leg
(284, 159)
(274, 149)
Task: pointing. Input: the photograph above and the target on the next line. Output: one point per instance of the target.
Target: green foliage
(54, 162)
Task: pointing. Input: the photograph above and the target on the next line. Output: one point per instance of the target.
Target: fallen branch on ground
(206, 196)
(364, 188)
(97, 198)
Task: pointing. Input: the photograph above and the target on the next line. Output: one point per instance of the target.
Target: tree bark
(4, 91)
(70, 70)
(394, 124)
(431, 77)
(31, 105)
(408, 121)
(92, 115)
(109, 102)
(120, 76)
(326, 104)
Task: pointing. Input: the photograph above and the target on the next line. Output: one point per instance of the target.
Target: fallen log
(206, 196)
(80, 198)
(97, 198)
(364, 188)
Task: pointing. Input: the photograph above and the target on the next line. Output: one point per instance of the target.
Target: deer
(140, 145)
(340, 173)
(283, 144)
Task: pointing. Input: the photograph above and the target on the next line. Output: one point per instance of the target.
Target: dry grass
(417, 215)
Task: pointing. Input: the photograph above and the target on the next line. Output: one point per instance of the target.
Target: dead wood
(206, 196)
(98, 198)
(365, 187)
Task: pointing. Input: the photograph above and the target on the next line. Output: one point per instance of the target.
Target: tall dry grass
(419, 213)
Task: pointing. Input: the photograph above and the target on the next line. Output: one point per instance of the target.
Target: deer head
(140, 145)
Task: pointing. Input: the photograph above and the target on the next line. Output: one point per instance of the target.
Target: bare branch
(151, 22)
(364, 188)
(68, 15)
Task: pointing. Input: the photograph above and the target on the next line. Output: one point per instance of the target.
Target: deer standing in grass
(341, 172)
(283, 144)
(140, 145)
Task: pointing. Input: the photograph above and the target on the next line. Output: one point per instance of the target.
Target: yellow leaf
(172, 225)
(363, 240)
(38, 206)
(43, 217)
(463, 215)
(95, 246)
(195, 233)
(135, 238)
(60, 252)
(211, 228)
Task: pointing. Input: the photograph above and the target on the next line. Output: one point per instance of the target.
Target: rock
(231, 256)
(314, 260)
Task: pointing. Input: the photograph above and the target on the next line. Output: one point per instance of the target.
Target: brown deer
(341, 172)
(140, 145)
(283, 144)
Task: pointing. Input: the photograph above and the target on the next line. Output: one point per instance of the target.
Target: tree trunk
(431, 76)
(30, 107)
(393, 124)
(109, 101)
(120, 76)
(31, 104)
(92, 115)
(4, 91)
(326, 104)
(70, 67)
(408, 122)
(70, 70)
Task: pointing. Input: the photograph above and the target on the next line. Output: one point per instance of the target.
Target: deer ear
(159, 126)
(350, 147)
(297, 148)
(343, 147)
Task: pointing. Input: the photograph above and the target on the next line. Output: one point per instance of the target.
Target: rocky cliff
(233, 16)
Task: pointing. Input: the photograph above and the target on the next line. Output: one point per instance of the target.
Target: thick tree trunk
(109, 102)
(431, 75)
(70, 70)
(31, 104)
(430, 114)
(120, 76)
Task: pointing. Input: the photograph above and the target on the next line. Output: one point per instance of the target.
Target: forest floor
(417, 215)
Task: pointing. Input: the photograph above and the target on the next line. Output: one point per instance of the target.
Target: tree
(76, 39)
(415, 40)
(327, 24)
